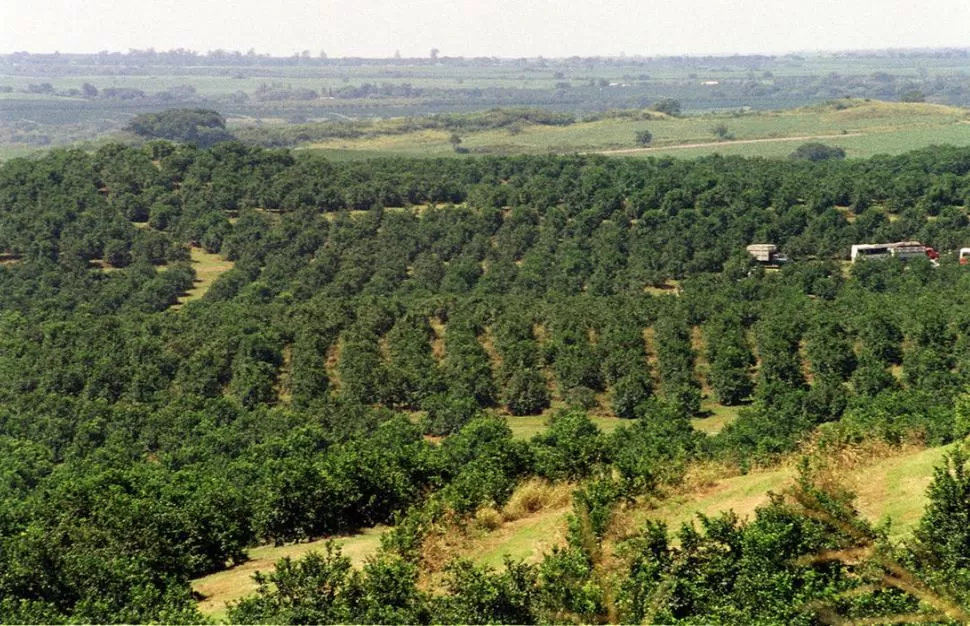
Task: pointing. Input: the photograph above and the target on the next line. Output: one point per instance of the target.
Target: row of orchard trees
(733, 341)
(140, 445)
(546, 225)
(806, 556)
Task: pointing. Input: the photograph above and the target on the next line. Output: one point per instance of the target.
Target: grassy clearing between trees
(534, 520)
(208, 267)
(230, 585)
(863, 128)
(890, 488)
(717, 417)
(527, 426)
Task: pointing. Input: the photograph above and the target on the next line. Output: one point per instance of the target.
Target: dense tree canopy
(144, 441)
(201, 127)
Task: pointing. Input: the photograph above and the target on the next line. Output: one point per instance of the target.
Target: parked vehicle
(767, 253)
(900, 250)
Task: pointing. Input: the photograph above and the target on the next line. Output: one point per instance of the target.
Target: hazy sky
(507, 28)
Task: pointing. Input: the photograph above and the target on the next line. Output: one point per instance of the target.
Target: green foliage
(526, 393)
(668, 106)
(319, 588)
(814, 151)
(142, 444)
(942, 539)
(676, 355)
(570, 448)
(654, 450)
(447, 413)
(477, 595)
(721, 132)
(484, 463)
(202, 127)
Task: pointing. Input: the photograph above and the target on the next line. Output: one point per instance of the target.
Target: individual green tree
(360, 367)
(655, 449)
(643, 137)
(667, 105)
(630, 392)
(526, 393)
(730, 360)
(722, 132)
(815, 151)
(448, 412)
(318, 588)
(309, 379)
(455, 141)
(676, 359)
(202, 127)
(779, 343)
(570, 447)
(942, 539)
(477, 594)
(871, 377)
(829, 350)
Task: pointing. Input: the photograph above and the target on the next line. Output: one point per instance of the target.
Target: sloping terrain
(221, 588)
(861, 127)
(534, 521)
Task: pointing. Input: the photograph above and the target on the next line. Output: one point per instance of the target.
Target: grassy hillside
(890, 486)
(221, 588)
(863, 128)
(889, 489)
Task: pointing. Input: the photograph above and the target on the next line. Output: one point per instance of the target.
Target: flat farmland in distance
(862, 128)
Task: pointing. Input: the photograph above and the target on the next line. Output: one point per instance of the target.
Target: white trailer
(900, 250)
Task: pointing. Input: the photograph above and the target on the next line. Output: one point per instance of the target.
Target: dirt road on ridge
(709, 144)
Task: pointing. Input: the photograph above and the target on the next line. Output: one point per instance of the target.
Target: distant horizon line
(305, 54)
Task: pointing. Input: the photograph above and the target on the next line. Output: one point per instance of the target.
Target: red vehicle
(901, 249)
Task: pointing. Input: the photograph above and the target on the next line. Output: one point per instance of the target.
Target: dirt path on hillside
(711, 144)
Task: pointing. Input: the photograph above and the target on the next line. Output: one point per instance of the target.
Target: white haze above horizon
(502, 28)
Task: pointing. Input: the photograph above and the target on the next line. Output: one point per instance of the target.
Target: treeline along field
(371, 304)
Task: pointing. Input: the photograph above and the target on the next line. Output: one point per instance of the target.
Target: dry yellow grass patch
(284, 382)
(701, 367)
(488, 344)
(231, 585)
(208, 267)
(650, 348)
(530, 524)
(333, 358)
(487, 519)
(103, 265)
(715, 417)
(889, 481)
(536, 495)
(893, 110)
(438, 341)
(669, 288)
